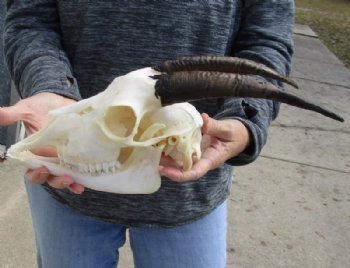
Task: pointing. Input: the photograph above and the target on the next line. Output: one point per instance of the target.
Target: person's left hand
(33, 112)
(222, 140)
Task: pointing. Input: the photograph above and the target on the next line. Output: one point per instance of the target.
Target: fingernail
(80, 191)
(77, 189)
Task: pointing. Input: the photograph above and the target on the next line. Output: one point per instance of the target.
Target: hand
(33, 111)
(222, 140)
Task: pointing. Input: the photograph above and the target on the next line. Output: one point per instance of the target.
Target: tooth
(81, 168)
(117, 164)
(112, 167)
(64, 162)
(92, 168)
(98, 168)
(105, 167)
(85, 168)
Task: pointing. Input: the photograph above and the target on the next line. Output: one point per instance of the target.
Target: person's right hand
(33, 112)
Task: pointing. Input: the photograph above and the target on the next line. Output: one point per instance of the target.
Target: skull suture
(113, 141)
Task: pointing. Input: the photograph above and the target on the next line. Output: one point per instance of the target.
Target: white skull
(113, 141)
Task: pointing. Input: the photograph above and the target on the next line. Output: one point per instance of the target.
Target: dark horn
(221, 64)
(176, 87)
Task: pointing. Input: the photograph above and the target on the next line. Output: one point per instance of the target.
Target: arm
(265, 36)
(237, 134)
(41, 72)
(33, 50)
(4, 78)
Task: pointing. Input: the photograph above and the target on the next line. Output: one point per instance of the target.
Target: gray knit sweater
(91, 42)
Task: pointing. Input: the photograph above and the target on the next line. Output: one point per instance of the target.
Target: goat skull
(113, 141)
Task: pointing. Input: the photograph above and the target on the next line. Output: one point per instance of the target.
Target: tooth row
(91, 169)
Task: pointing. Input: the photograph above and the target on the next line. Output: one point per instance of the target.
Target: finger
(76, 188)
(213, 157)
(205, 118)
(205, 142)
(9, 115)
(60, 182)
(166, 161)
(45, 151)
(38, 175)
(197, 171)
(209, 160)
(42, 175)
(221, 129)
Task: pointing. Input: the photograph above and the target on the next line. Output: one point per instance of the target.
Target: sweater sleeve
(265, 36)
(33, 50)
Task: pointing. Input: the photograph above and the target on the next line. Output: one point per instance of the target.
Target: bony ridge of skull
(113, 141)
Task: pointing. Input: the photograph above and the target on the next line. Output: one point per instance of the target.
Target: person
(59, 52)
(4, 80)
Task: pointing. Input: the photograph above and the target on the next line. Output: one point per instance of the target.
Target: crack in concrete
(320, 82)
(281, 125)
(304, 164)
(319, 61)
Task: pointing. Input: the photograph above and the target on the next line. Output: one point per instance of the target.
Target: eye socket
(119, 121)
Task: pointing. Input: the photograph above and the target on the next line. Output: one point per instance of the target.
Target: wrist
(245, 136)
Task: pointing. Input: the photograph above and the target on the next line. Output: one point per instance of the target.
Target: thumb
(9, 115)
(218, 128)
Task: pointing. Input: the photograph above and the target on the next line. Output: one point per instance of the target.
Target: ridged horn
(221, 64)
(176, 87)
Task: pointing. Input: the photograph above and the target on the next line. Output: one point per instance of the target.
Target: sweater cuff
(246, 114)
(50, 76)
(60, 87)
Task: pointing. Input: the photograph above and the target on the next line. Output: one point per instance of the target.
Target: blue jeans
(68, 239)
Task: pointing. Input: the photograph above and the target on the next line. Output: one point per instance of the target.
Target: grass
(330, 19)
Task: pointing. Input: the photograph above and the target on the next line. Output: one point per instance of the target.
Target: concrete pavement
(290, 208)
